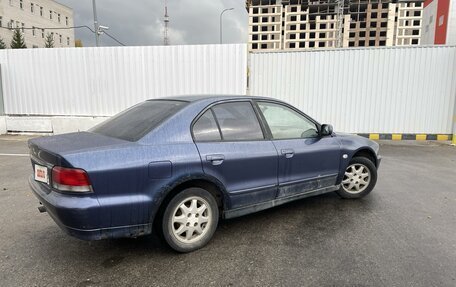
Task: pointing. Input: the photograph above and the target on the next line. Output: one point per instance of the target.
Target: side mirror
(326, 130)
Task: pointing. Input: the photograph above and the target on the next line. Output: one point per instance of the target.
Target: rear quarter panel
(125, 183)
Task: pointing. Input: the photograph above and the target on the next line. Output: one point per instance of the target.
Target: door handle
(288, 153)
(215, 159)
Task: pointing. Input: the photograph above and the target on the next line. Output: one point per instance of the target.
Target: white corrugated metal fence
(371, 90)
(104, 81)
(375, 90)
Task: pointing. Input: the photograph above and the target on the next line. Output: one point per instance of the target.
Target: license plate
(41, 173)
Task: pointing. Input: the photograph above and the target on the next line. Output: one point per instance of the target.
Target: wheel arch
(367, 153)
(212, 185)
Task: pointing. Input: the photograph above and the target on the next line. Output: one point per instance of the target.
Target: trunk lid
(50, 151)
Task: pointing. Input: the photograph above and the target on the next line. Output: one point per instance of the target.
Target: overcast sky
(140, 22)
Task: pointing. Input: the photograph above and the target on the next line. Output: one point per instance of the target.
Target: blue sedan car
(177, 165)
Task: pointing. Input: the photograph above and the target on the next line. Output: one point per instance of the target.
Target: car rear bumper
(79, 216)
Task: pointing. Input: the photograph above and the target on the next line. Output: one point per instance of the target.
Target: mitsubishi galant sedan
(178, 165)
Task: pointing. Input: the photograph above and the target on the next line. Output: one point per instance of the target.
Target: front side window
(238, 121)
(286, 123)
(137, 121)
(206, 129)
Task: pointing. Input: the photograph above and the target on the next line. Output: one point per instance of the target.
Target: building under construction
(307, 24)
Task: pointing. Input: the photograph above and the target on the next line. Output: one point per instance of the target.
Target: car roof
(211, 98)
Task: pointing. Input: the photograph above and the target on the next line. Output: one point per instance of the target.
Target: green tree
(2, 43)
(49, 42)
(18, 41)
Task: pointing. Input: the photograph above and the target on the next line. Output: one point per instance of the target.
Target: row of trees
(18, 41)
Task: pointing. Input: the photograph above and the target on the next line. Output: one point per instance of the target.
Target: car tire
(190, 220)
(359, 178)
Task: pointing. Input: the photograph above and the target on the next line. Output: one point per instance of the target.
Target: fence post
(454, 108)
(2, 106)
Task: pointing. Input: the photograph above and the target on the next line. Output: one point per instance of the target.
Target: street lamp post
(221, 27)
(95, 21)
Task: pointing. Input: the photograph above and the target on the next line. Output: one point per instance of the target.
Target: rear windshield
(137, 121)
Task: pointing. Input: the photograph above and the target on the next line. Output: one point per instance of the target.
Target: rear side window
(205, 128)
(238, 121)
(139, 120)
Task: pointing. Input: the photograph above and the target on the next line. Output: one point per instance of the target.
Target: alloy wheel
(356, 179)
(191, 219)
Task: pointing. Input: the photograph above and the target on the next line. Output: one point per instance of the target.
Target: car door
(307, 161)
(234, 150)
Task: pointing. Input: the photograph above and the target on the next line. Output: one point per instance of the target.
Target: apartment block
(305, 24)
(35, 19)
(439, 27)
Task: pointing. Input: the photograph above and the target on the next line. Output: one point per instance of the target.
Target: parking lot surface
(402, 234)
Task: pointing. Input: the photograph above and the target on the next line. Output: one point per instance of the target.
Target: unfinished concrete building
(306, 24)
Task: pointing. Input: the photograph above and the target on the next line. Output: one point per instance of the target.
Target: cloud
(140, 22)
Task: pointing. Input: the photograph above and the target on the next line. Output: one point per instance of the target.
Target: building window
(11, 24)
(21, 4)
(302, 44)
(373, 24)
(362, 43)
(362, 34)
(351, 44)
(264, 46)
(33, 31)
(58, 18)
(311, 44)
(42, 33)
(50, 14)
(416, 23)
(372, 33)
(292, 45)
(255, 28)
(60, 38)
(264, 37)
(383, 34)
(352, 34)
(66, 21)
(382, 43)
(255, 37)
(32, 8)
(68, 41)
(41, 11)
(293, 18)
(415, 42)
(1, 21)
(372, 43)
(255, 46)
(293, 36)
(294, 9)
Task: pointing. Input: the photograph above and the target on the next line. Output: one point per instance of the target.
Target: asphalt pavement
(402, 234)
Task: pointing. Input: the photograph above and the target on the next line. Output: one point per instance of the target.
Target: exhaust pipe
(41, 209)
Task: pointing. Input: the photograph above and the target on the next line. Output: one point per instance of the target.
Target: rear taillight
(70, 179)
